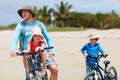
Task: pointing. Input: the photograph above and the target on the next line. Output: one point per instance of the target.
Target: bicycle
(35, 66)
(99, 73)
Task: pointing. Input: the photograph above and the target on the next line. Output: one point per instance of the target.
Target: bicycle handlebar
(46, 48)
(99, 56)
(21, 53)
(104, 56)
(96, 59)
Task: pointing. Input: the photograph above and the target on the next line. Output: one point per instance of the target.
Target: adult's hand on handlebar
(13, 54)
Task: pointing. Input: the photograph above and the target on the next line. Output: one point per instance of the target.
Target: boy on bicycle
(35, 44)
(92, 48)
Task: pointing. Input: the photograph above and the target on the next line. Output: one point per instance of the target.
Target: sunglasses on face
(96, 39)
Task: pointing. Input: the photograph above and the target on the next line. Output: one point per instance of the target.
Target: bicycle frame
(35, 65)
(99, 69)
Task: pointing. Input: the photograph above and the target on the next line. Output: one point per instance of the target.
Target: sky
(9, 8)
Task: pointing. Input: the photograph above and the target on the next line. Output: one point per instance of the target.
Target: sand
(70, 61)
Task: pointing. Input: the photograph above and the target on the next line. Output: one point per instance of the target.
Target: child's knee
(25, 58)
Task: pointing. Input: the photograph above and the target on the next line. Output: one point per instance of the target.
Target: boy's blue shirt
(28, 27)
(92, 51)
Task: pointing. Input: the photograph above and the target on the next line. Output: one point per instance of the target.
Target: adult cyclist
(27, 14)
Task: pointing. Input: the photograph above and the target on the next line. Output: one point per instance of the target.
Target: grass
(3, 28)
(54, 29)
(63, 29)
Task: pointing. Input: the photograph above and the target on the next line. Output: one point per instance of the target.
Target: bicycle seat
(106, 62)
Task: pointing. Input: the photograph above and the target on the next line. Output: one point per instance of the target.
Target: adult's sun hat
(36, 31)
(27, 7)
(93, 35)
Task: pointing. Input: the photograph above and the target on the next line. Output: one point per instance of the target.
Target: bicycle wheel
(91, 76)
(112, 73)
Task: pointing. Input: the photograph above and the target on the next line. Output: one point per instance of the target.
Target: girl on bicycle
(92, 48)
(35, 44)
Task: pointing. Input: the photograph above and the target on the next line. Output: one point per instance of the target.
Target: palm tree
(63, 13)
(43, 14)
(37, 13)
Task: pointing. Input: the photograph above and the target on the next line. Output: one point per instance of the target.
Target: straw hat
(27, 7)
(93, 36)
(36, 31)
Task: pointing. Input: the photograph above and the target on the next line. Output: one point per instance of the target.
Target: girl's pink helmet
(36, 31)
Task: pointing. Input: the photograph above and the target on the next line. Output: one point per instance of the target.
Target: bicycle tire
(90, 76)
(110, 75)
